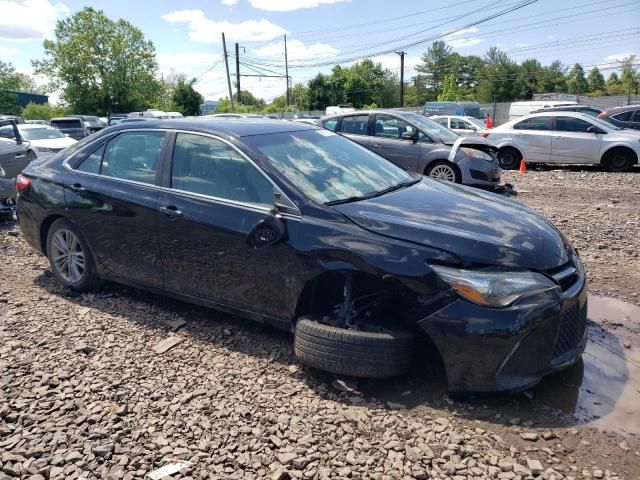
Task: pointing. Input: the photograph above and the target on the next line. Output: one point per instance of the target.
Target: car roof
(622, 108)
(33, 126)
(556, 113)
(238, 127)
(64, 118)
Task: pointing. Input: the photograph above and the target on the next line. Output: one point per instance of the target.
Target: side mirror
(592, 129)
(410, 136)
(268, 231)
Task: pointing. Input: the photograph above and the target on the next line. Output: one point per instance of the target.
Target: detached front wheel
(355, 353)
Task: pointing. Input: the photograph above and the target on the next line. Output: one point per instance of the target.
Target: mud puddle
(602, 390)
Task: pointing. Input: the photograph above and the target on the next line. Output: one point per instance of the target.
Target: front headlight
(472, 152)
(495, 288)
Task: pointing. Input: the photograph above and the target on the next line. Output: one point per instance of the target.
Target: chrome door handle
(376, 145)
(77, 188)
(171, 211)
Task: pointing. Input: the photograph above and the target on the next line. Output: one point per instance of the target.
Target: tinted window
(133, 156)
(570, 124)
(66, 123)
(356, 124)
(331, 124)
(391, 127)
(475, 112)
(442, 121)
(210, 167)
(535, 123)
(636, 116)
(91, 164)
(7, 132)
(624, 116)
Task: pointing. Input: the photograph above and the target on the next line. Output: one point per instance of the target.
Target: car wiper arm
(398, 186)
(357, 198)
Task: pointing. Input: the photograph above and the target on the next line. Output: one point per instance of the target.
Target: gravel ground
(85, 393)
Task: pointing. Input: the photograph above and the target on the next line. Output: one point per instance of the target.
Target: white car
(462, 125)
(564, 138)
(43, 140)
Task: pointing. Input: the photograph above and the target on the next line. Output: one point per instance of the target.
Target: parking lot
(84, 393)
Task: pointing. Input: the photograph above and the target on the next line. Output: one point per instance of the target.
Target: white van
(520, 109)
(339, 109)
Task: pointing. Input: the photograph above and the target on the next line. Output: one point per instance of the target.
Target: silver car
(468, 126)
(419, 144)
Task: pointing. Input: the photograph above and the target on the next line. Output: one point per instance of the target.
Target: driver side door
(387, 141)
(214, 196)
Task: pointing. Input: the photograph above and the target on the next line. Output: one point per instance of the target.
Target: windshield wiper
(398, 186)
(357, 198)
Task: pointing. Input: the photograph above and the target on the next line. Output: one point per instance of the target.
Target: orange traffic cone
(523, 166)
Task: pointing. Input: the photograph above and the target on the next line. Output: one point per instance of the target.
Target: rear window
(66, 123)
(536, 123)
(624, 116)
(475, 112)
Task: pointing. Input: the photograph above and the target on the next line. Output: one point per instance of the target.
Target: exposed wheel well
(626, 150)
(44, 231)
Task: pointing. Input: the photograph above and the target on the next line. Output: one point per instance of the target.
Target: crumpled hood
(477, 226)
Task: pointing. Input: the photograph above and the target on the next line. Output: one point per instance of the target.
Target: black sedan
(301, 228)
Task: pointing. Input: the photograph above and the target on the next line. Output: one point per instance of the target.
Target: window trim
(555, 124)
(354, 114)
(291, 210)
(552, 124)
(622, 113)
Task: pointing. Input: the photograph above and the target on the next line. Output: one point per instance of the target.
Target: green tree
(319, 92)
(552, 78)
(10, 79)
(45, 111)
(499, 78)
(436, 63)
(300, 96)
(247, 98)
(576, 82)
(630, 77)
(614, 86)
(595, 79)
(449, 90)
(530, 76)
(100, 64)
(186, 99)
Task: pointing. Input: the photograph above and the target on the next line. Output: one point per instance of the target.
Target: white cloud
(618, 57)
(29, 19)
(8, 51)
(462, 38)
(229, 2)
(550, 37)
(206, 30)
(186, 62)
(392, 62)
(464, 42)
(297, 50)
(289, 5)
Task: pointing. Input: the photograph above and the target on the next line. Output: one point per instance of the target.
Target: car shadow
(582, 394)
(547, 167)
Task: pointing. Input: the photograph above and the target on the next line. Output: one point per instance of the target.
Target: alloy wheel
(443, 172)
(67, 255)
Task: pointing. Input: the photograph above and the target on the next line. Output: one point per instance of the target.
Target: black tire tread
(352, 352)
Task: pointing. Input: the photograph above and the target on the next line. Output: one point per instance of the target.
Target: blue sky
(186, 34)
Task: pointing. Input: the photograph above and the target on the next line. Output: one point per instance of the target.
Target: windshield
(41, 133)
(431, 128)
(328, 167)
(476, 122)
(604, 125)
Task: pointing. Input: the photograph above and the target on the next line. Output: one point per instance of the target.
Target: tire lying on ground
(353, 353)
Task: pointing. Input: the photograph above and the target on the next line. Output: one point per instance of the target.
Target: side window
(210, 167)
(91, 164)
(7, 132)
(355, 124)
(636, 116)
(442, 121)
(391, 127)
(133, 156)
(623, 116)
(570, 124)
(331, 124)
(460, 124)
(535, 123)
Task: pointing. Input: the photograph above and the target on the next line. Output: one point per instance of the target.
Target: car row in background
(565, 138)
(419, 144)
(625, 117)
(42, 139)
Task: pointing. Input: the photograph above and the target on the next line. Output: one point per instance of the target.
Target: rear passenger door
(533, 137)
(387, 141)
(111, 194)
(356, 127)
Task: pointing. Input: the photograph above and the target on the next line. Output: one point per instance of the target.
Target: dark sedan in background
(418, 144)
(624, 117)
(295, 226)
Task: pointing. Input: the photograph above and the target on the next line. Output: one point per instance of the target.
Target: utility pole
(401, 78)
(238, 73)
(226, 64)
(286, 68)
